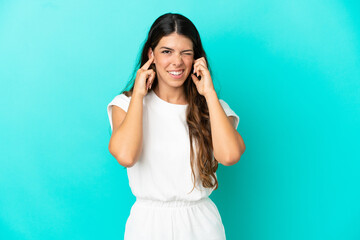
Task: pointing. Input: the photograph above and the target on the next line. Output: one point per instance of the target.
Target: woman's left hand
(205, 85)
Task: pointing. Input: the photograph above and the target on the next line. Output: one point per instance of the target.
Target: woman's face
(173, 54)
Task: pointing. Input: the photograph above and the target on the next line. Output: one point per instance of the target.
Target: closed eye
(167, 51)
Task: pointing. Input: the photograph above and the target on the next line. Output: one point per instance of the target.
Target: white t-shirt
(163, 171)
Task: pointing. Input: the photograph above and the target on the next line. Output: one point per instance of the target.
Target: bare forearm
(225, 138)
(127, 139)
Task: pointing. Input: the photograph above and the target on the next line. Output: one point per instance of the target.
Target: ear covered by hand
(203, 82)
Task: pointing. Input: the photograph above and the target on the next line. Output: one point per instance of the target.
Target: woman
(170, 131)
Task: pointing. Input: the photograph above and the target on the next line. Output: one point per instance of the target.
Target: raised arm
(227, 142)
(126, 139)
(127, 136)
(228, 145)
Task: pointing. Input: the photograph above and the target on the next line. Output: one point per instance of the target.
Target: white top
(163, 171)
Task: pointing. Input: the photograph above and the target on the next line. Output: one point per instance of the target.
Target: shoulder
(223, 103)
(230, 112)
(122, 97)
(225, 106)
(120, 100)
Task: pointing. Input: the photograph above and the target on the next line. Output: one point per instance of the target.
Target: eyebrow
(173, 49)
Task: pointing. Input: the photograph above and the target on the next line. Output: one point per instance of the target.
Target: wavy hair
(197, 113)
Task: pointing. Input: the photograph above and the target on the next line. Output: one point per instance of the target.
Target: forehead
(175, 41)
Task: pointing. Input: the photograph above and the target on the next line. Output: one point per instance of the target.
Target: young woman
(170, 131)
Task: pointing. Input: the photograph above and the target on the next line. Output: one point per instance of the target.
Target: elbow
(234, 156)
(124, 161)
(231, 162)
(127, 164)
(232, 159)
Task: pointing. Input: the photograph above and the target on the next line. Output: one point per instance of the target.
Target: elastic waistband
(174, 203)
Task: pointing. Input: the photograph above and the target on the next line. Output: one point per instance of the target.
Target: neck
(171, 95)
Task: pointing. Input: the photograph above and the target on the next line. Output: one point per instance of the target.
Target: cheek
(162, 63)
(189, 63)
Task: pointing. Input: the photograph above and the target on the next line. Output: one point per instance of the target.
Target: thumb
(195, 79)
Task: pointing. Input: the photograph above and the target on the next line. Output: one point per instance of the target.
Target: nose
(177, 60)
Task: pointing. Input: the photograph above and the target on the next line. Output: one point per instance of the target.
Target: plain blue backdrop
(289, 69)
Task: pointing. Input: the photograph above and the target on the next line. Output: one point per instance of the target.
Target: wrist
(210, 94)
(137, 95)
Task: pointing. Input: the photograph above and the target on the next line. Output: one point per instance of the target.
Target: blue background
(289, 69)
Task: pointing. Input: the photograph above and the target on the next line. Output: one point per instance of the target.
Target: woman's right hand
(144, 78)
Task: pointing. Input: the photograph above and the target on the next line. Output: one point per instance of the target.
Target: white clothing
(161, 179)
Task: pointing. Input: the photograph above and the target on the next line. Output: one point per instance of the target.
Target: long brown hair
(197, 113)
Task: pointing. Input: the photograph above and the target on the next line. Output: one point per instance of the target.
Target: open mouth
(176, 74)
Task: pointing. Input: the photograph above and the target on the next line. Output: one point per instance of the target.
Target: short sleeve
(121, 101)
(230, 112)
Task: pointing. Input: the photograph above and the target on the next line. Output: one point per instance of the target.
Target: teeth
(176, 73)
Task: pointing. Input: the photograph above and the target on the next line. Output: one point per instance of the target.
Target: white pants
(174, 220)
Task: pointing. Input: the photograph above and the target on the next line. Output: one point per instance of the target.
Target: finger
(195, 79)
(201, 69)
(197, 70)
(148, 73)
(202, 60)
(150, 80)
(148, 63)
(145, 75)
(196, 67)
(200, 63)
